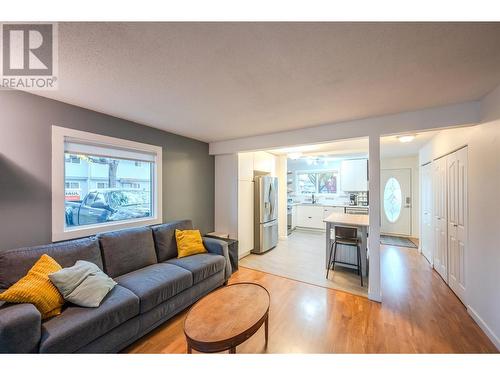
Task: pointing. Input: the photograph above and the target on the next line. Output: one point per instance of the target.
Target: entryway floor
(302, 257)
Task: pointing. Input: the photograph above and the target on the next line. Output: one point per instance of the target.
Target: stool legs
(334, 256)
(331, 260)
(334, 244)
(360, 271)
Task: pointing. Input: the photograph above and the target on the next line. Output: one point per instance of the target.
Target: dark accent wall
(25, 166)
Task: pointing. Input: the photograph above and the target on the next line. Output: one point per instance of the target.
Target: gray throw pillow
(84, 284)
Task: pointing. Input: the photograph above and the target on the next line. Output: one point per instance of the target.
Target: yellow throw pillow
(36, 288)
(189, 242)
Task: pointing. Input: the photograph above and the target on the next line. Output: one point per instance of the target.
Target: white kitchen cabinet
(245, 166)
(245, 216)
(312, 216)
(264, 162)
(354, 175)
(294, 217)
(309, 216)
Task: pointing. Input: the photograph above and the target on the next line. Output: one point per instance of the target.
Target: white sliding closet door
(457, 220)
(427, 244)
(439, 210)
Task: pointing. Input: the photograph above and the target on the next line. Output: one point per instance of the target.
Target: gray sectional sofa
(153, 286)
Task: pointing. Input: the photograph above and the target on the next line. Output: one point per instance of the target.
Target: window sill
(90, 230)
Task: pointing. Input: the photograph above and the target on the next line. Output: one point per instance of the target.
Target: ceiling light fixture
(406, 138)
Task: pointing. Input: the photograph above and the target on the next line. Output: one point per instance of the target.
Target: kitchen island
(345, 254)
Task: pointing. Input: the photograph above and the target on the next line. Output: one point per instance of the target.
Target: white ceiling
(390, 147)
(344, 147)
(217, 81)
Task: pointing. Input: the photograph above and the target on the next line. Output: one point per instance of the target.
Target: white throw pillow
(83, 284)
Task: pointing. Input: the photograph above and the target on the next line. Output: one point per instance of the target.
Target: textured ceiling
(217, 81)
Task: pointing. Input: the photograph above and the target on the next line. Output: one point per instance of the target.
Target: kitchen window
(119, 184)
(317, 182)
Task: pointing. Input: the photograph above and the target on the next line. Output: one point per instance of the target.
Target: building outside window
(72, 159)
(115, 184)
(72, 185)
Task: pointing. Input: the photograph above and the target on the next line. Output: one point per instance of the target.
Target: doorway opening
(315, 182)
(424, 200)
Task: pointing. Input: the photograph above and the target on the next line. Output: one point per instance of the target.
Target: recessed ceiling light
(406, 138)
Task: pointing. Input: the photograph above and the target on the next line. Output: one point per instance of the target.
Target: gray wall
(25, 166)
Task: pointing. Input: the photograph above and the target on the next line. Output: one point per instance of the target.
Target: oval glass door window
(392, 199)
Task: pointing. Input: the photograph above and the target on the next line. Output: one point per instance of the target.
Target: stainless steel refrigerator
(265, 213)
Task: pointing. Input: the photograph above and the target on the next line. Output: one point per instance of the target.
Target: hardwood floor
(418, 314)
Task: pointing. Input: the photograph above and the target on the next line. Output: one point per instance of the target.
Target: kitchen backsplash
(341, 199)
(307, 198)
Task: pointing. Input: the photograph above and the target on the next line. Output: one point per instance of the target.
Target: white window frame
(59, 230)
(316, 172)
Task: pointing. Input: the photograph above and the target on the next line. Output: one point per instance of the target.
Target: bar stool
(345, 236)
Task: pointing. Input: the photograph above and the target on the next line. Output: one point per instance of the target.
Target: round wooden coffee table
(227, 317)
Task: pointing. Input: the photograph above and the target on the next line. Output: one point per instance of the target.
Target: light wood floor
(302, 257)
(419, 314)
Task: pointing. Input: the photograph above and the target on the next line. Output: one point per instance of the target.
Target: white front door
(426, 243)
(457, 220)
(396, 201)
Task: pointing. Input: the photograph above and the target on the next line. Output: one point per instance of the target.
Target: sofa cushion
(189, 242)
(37, 289)
(20, 327)
(84, 284)
(127, 250)
(78, 326)
(201, 266)
(164, 236)
(156, 283)
(16, 263)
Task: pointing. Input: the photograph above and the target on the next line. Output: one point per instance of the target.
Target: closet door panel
(457, 221)
(440, 213)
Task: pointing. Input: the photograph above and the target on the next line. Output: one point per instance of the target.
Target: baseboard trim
(242, 255)
(377, 297)
(481, 323)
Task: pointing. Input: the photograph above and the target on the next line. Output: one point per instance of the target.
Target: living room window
(119, 183)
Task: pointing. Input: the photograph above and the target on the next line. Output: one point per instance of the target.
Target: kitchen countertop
(326, 205)
(348, 219)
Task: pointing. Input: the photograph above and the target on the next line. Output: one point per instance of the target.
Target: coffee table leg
(189, 349)
(232, 350)
(266, 327)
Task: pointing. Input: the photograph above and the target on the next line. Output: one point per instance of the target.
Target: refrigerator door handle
(271, 202)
